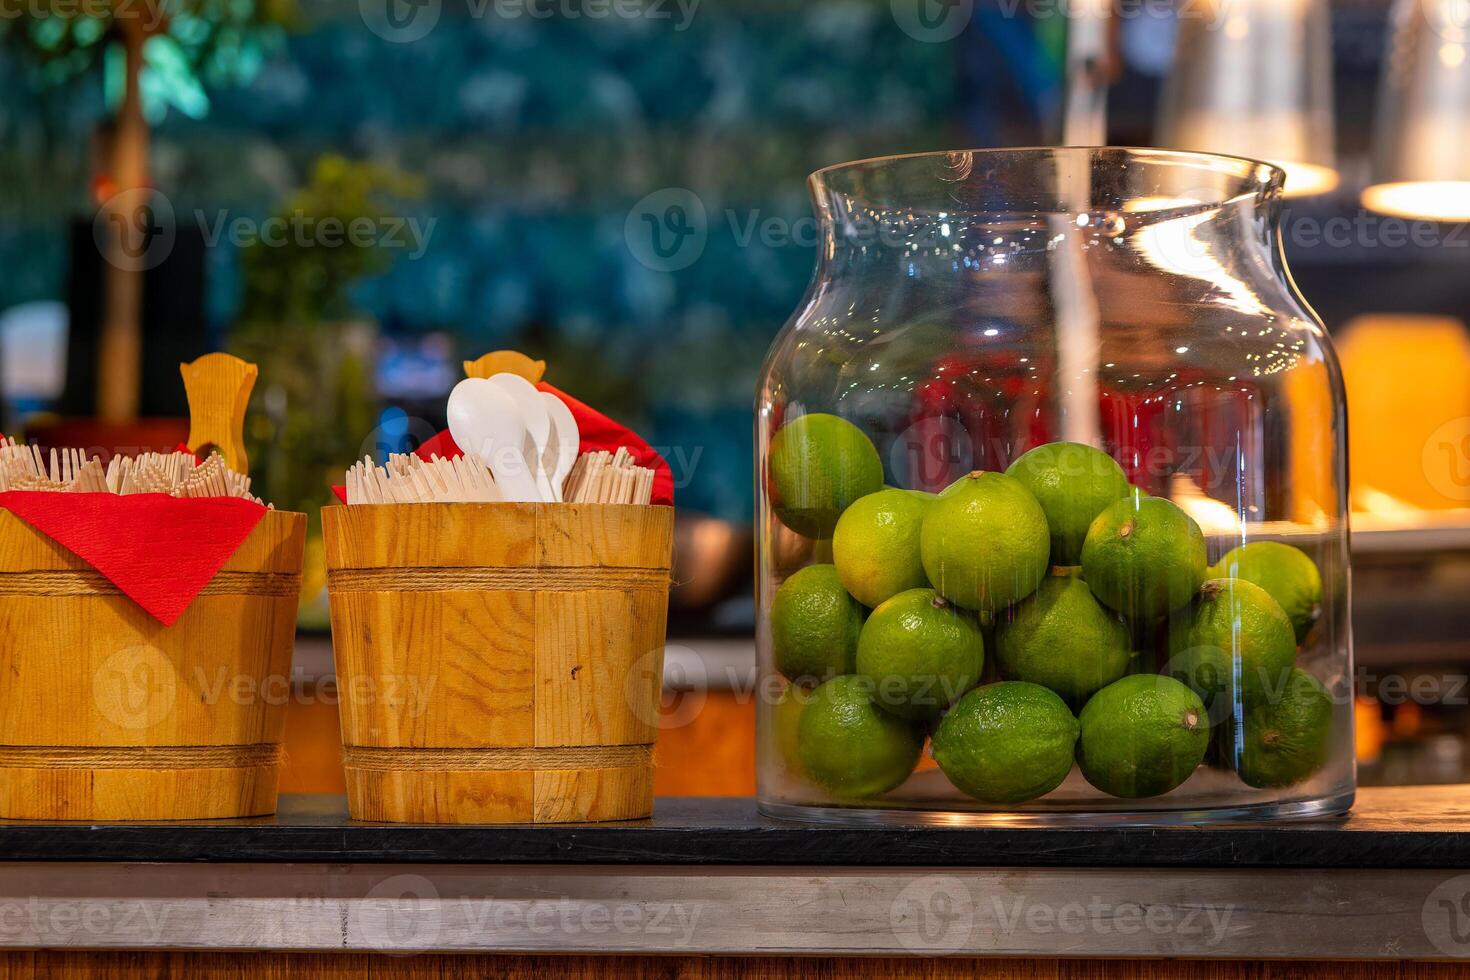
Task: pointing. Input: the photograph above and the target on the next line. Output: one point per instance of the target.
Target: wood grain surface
(491, 627)
(87, 678)
(329, 966)
(218, 388)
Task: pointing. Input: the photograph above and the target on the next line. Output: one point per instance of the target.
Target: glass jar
(1052, 518)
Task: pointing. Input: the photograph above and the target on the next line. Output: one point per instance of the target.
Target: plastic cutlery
(486, 421)
(567, 442)
(538, 426)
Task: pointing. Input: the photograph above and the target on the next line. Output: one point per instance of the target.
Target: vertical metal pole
(1085, 107)
(1084, 123)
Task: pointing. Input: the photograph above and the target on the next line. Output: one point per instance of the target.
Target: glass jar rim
(1251, 178)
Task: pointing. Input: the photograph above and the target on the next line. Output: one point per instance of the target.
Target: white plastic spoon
(486, 421)
(538, 425)
(568, 441)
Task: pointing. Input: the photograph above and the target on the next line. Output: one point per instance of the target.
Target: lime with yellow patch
(1291, 578)
(876, 545)
(850, 746)
(815, 625)
(818, 465)
(785, 722)
(984, 542)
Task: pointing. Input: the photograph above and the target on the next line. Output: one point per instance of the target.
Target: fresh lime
(1286, 572)
(876, 545)
(920, 653)
(815, 625)
(1234, 636)
(819, 464)
(1073, 483)
(1142, 736)
(1286, 736)
(850, 746)
(1062, 638)
(1007, 742)
(785, 722)
(1143, 557)
(984, 542)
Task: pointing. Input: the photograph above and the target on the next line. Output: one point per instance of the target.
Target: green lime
(785, 719)
(984, 542)
(851, 747)
(819, 464)
(920, 653)
(1073, 483)
(1143, 557)
(876, 545)
(815, 625)
(1007, 742)
(1062, 638)
(1286, 737)
(1234, 636)
(1286, 572)
(1142, 736)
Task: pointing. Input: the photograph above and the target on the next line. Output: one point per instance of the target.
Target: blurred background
(360, 195)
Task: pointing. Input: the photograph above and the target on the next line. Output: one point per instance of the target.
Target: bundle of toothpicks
(73, 471)
(596, 478)
(608, 478)
(408, 479)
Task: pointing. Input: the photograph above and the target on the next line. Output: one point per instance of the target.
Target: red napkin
(161, 551)
(596, 431)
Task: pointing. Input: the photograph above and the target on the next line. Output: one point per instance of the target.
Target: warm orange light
(1305, 179)
(1436, 200)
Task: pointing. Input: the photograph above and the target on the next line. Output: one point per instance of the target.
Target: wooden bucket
(498, 663)
(107, 714)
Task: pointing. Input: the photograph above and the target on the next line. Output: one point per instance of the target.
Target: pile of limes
(1045, 581)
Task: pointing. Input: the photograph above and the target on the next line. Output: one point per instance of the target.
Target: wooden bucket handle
(218, 388)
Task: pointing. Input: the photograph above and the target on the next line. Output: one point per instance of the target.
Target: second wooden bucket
(498, 663)
(107, 714)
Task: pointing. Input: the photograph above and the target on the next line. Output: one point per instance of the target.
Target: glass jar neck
(975, 211)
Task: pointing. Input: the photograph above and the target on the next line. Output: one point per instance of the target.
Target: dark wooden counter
(711, 878)
(1418, 827)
